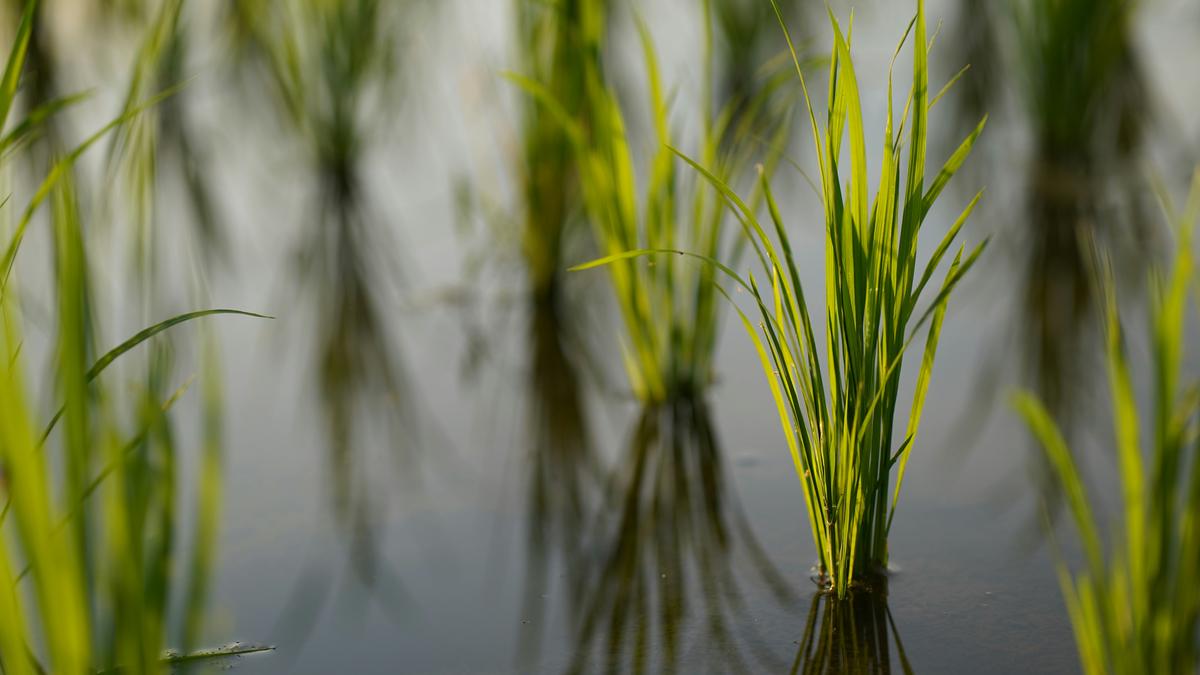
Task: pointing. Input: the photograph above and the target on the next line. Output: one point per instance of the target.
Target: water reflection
(564, 472)
(853, 635)
(1086, 94)
(325, 63)
(656, 575)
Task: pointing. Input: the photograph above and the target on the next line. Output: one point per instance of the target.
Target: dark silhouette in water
(853, 635)
(658, 555)
(1075, 72)
(346, 255)
(564, 473)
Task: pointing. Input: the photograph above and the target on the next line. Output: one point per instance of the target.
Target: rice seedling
(561, 45)
(668, 310)
(748, 42)
(91, 505)
(163, 142)
(1088, 105)
(841, 437)
(1136, 607)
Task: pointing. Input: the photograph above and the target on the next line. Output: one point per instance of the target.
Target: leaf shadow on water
(652, 578)
(853, 635)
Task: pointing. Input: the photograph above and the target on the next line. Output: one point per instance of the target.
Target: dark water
(528, 517)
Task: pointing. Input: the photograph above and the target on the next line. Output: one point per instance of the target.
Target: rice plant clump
(838, 421)
(841, 434)
(1136, 609)
(561, 45)
(669, 310)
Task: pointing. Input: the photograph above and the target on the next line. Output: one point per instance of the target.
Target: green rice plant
(90, 520)
(560, 44)
(748, 41)
(1136, 608)
(162, 142)
(669, 310)
(838, 422)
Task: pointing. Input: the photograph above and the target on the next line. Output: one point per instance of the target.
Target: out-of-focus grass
(750, 50)
(669, 310)
(91, 515)
(1069, 73)
(1136, 607)
(560, 47)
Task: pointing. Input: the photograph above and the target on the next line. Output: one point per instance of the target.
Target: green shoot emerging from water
(1137, 610)
(839, 421)
(669, 310)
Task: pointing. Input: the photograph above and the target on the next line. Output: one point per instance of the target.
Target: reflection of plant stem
(666, 533)
(850, 635)
(564, 473)
(322, 61)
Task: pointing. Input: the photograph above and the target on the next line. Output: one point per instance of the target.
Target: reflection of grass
(91, 521)
(329, 66)
(849, 635)
(841, 439)
(564, 471)
(663, 546)
(1137, 609)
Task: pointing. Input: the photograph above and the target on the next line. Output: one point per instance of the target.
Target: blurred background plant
(94, 511)
(1089, 104)
(331, 68)
(668, 307)
(1136, 607)
(750, 50)
(1068, 72)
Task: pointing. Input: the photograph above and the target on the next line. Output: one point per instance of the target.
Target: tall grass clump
(838, 420)
(1136, 607)
(91, 519)
(669, 310)
(561, 45)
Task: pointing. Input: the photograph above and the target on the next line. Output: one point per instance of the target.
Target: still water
(519, 513)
